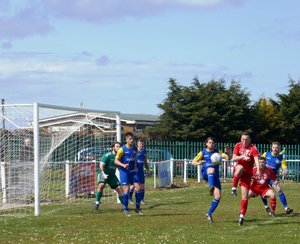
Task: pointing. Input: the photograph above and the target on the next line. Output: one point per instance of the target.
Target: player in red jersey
(260, 183)
(245, 154)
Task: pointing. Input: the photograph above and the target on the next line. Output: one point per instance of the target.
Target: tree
(203, 109)
(268, 121)
(289, 107)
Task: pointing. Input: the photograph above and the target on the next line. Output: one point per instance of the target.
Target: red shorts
(245, 179)
(258, 191)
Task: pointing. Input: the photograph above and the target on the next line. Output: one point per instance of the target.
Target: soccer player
(260, 184)
(139, 176)
(125, 159)
(275, 160)
(107, 175)
(210, 173)
(245, 154)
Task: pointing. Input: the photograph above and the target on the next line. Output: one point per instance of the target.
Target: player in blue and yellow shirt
(139, 176)
(276, 160)
(125, 159)
(210, 172)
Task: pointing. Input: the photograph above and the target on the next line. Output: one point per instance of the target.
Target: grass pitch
(174, 215)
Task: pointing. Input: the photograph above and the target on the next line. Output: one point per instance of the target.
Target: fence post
(3, 182)
(184, 170)
(36, 141)
(171, 169)
(199, 173)
(67, 186)
(154, 174)
(224, 164)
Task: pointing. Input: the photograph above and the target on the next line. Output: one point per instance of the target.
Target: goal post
(39, 142)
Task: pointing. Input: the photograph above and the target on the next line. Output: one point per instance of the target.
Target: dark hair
(276, 143)
(209, 138)
(246, 133)
(114, 143)
(129, 134)
(262, 158)
(141, 139)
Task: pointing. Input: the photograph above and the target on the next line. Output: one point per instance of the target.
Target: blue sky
(119, 54)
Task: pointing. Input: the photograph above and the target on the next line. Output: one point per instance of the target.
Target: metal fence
(182, 170)
(188, 149)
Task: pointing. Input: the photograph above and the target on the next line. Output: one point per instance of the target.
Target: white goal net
(50, 155)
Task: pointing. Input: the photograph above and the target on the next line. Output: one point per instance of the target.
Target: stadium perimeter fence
(185, 151)
(177, 171)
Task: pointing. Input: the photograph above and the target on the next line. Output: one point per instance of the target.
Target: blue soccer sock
(138, 198)
(143, 195)
(283, 199)
(131, 193)
(213, 206)
(125, 201)
(264, 200)
(211, 177)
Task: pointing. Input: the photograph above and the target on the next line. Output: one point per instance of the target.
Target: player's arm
(146, 164)
(118, 157)
(235, 155)
(273, 179)
(284, 167)
(102, 166)
(224, 155)
(198, 159)
(257, 164)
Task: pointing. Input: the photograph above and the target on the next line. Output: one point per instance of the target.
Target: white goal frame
(36, 126)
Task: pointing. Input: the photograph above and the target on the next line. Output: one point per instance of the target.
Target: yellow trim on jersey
(120, 153)
(283, 164)
(198, 157)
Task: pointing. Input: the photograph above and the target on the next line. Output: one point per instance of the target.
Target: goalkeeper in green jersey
(107, 175)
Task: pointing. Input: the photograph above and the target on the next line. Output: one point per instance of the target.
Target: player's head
(262, 162)
(140, 143)
(129, 138)
(115, 146)
(246, 139)
(276, 147)
(210, 143)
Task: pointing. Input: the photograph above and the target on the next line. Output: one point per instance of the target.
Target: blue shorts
(139, 178)
(126, 177)
(217, 182)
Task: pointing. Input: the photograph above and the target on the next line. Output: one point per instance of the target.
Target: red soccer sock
(273, 204)
(235, 181)
(244, 205)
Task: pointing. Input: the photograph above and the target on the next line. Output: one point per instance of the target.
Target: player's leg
(265, 201)
(138, 180)
(131, 191)
(115, 184)
(211, 177)
(143, 195)
(269, 193)
(125, 182)
(99, 192)
(138, 198)
(216, 200)
(245, 186)
(282, 198)
(238, 172)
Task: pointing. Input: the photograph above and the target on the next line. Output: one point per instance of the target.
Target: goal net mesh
(71, 144)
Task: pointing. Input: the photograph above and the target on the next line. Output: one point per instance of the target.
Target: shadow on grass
(167, 204)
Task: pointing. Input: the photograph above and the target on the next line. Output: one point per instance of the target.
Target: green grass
(175, 215)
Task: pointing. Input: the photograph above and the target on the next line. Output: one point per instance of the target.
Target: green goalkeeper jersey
(109, 160)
